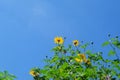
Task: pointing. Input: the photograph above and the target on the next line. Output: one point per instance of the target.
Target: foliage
(77, 62)
(6, 76)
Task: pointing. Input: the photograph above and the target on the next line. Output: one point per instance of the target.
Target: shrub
(77, 62)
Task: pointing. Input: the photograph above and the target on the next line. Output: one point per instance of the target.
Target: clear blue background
(27, 28)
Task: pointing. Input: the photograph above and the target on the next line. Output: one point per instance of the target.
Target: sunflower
(75, 42)
(88, 62)
(82, 56)
(58, 40)
(78, 60)
(33, 73)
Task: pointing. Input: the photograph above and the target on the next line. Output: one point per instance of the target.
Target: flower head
(58, 40)
(88, 62)
(33, 73)
(75, 42)
(78, 60)
(82, 56)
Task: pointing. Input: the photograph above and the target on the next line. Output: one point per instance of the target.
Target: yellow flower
(88, 62)
(58, 40)
(85, 60)
(82, 56)
(75, 42)
(33, 73)
(78, 60)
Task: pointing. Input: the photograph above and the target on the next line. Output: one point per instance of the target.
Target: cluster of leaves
(64, 66)
(6, 76)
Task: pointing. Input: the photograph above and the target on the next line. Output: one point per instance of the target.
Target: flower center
(75, 43)
(58, 40)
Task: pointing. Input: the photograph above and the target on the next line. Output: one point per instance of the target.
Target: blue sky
(27, 28)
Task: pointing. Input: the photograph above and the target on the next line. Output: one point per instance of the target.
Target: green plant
(6, 76)
(77, 62)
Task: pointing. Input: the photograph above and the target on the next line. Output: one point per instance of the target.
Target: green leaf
(88, 52)
(84, 46)
(105, 43)
(116, 43)
(111, 53)
(119, 75)
(107, 60)
(118, 46)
